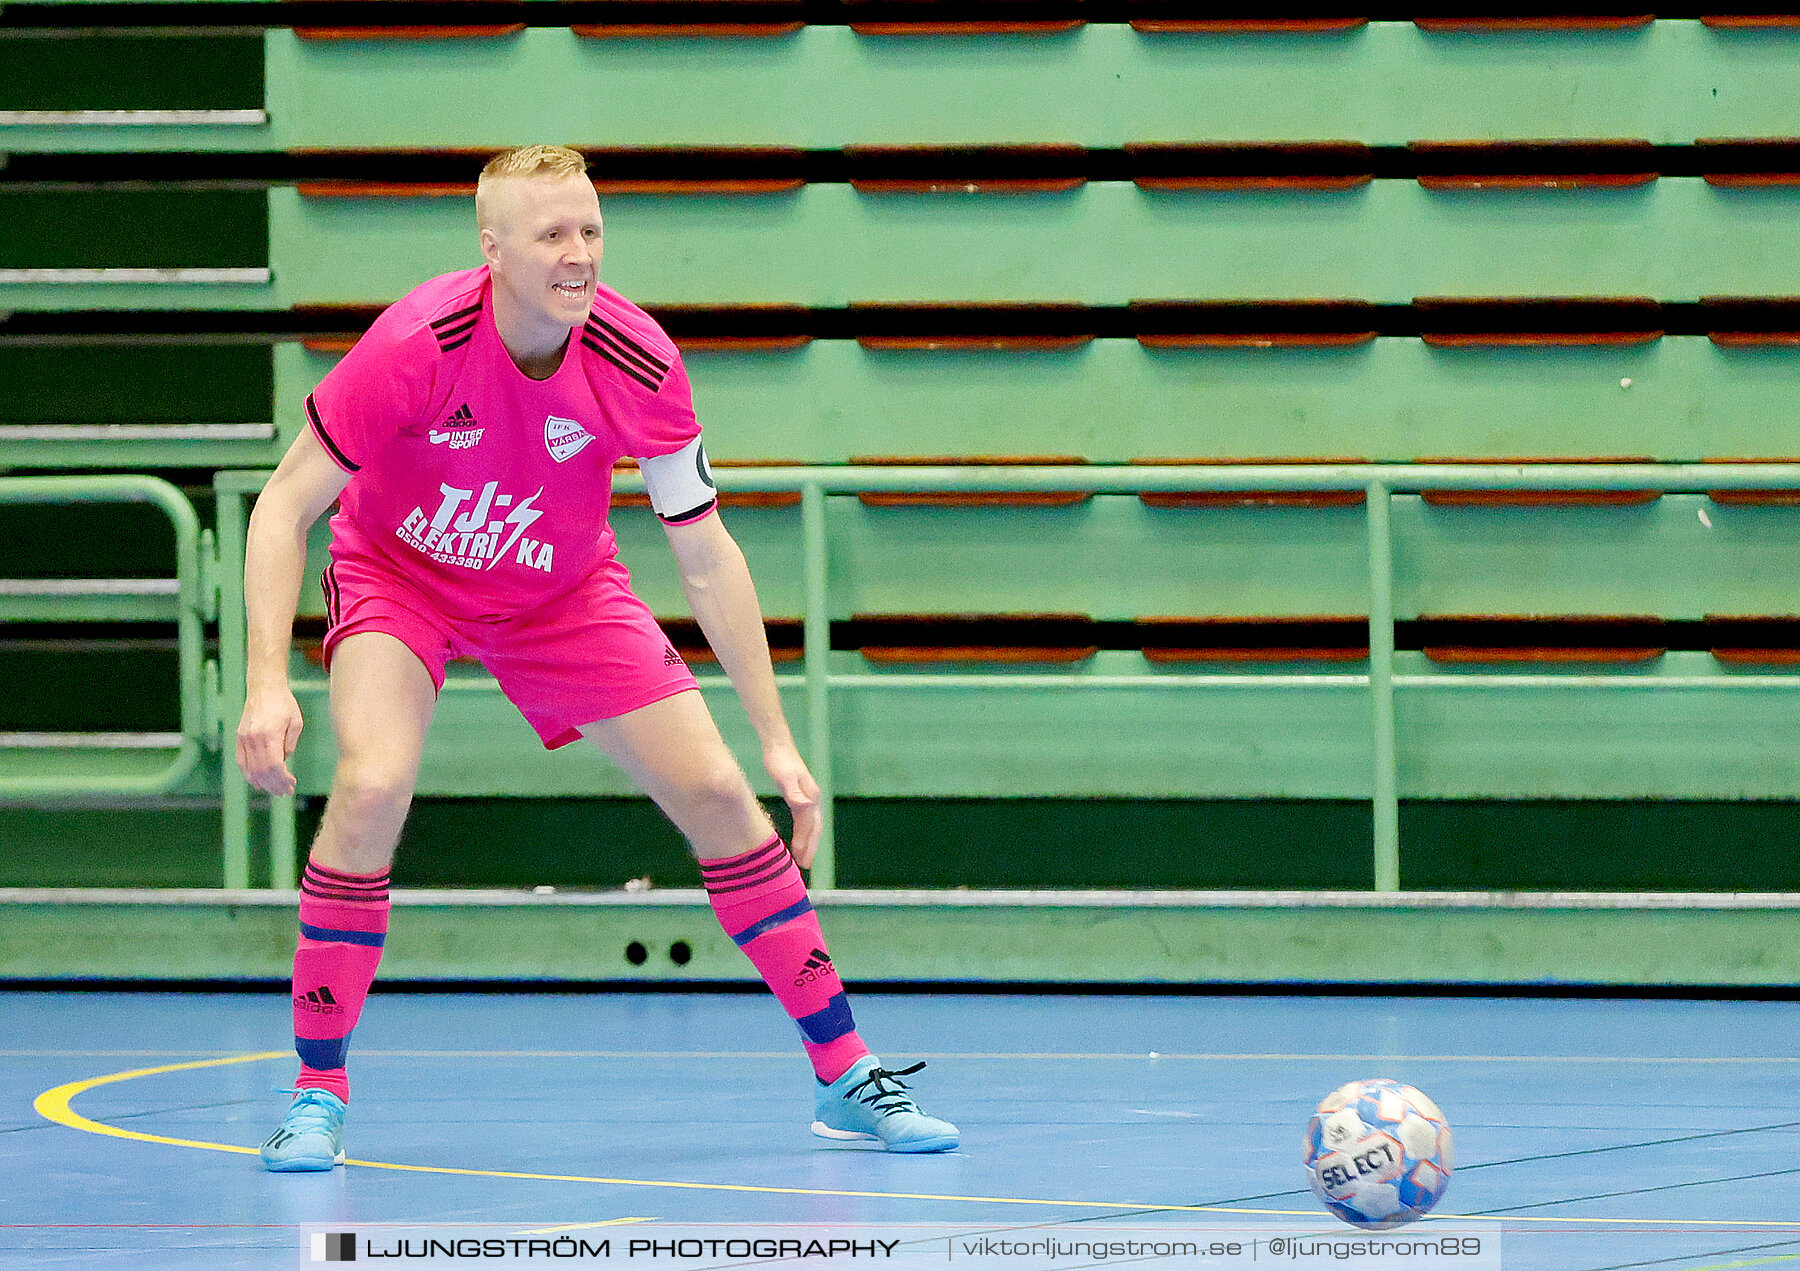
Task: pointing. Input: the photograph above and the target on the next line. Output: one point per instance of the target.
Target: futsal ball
(1378, 1154)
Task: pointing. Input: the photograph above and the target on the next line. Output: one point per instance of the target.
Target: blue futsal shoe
(310, 1136)
(870, 1102)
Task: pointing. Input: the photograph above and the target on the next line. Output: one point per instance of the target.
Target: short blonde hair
(524, 161)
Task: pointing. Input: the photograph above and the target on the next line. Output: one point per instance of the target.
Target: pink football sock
(761, 902)
(343, 924)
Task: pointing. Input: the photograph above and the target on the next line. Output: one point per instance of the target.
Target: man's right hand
(266, 736)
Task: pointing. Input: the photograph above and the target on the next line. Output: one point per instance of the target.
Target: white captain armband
(680, 484)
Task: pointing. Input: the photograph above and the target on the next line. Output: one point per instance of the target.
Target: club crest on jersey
(564, 437)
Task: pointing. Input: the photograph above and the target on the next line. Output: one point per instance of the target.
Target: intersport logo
(460, 432)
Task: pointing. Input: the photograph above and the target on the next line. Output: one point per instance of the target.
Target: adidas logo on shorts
(670, 657)
(816, 965)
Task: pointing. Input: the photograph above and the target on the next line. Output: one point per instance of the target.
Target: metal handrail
(191, 607)
(1398, 478)
(1379, 482)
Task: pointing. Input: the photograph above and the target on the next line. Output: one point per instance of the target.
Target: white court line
(948, 1056)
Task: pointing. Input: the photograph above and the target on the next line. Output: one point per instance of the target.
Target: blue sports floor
(1591, 1134)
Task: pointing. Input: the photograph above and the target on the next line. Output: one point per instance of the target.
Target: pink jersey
(486, 488)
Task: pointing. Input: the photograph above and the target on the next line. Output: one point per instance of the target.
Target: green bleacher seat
(1545, 22)
(1174, 640)
(1010, 639)
(436, 31)
(1583, 639)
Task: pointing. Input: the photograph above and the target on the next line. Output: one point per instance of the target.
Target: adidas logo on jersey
(816, 965)
(460, 430)
(319, 1001)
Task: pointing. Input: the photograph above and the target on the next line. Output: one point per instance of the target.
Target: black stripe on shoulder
(312, 413)
(633, 345)
(692, 514)
(452, 345)
(623, 365)
(654, 370)
(466, 330)
(450, 319)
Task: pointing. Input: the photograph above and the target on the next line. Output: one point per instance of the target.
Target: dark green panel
(534, 842)
(109, 847)
(1142, 843)
(1600, 846)
(131, 72)
(908, 843)
(133, 229)
(60, 687)
(98, 540)
(136, 384)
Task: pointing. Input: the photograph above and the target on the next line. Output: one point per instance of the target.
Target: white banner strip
(58, 277)
(90, 587)
(133, 118)
(90, 741)
(136, 432)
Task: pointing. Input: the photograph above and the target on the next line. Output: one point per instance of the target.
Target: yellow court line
(582, 1226)
(54, 1105)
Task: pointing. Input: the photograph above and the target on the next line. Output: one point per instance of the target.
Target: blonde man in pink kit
(469, 440)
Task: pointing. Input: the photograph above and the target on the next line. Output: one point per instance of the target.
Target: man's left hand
(801, 793)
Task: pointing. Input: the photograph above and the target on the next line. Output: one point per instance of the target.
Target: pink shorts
(593, 653)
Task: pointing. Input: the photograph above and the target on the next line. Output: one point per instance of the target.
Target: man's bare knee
(720, 814)
(362, 794)
(363, 818)
(721, 791)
